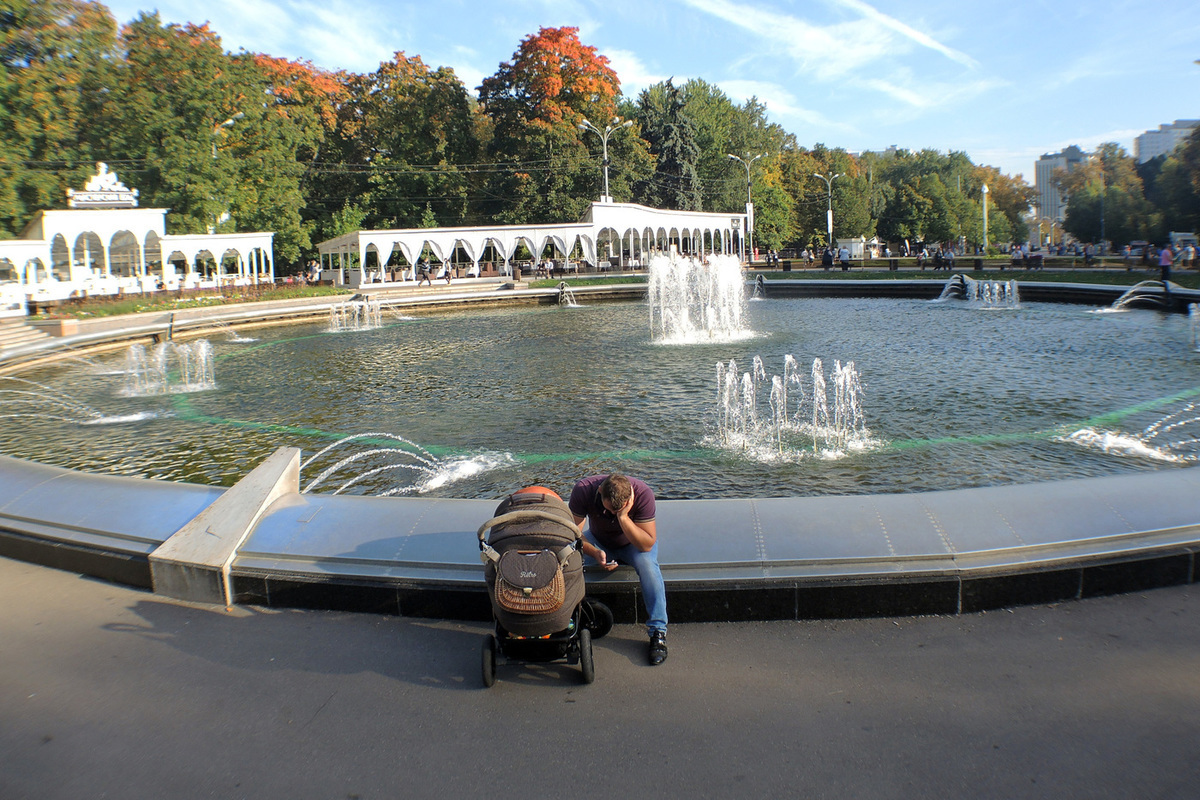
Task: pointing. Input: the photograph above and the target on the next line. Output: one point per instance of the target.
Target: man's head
(615, 492)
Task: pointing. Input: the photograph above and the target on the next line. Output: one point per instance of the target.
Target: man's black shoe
(658, 648)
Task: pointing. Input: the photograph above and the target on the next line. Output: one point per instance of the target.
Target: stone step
(17, 333)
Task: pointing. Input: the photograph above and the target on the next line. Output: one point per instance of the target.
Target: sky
(1004, 81)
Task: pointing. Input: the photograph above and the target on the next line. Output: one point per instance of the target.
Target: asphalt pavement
(111, 692)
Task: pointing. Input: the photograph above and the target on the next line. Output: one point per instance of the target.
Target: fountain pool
(951, 397)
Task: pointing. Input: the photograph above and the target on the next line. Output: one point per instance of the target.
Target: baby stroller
(534, 576)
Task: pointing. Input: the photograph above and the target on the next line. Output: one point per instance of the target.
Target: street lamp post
(216, 132)
(984, 192)
(829, 210)
(748, 245)
(616, 124)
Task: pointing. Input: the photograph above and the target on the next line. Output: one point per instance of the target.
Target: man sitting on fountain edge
(620, 513)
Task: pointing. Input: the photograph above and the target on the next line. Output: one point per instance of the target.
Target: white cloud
(899, 27)
(780, 103)
(634, 74)
(830, 50)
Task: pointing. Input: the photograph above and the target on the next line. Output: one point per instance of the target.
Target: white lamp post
(616, 124)
(984, 192)
(215, 132)
(829, 210)
(749, 245)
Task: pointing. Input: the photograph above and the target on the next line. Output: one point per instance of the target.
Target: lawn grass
(92, 308)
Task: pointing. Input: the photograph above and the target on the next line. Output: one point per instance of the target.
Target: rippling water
(955, 396)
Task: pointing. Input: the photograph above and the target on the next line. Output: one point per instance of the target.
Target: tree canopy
(244, 141)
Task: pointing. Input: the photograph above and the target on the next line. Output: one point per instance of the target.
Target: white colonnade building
(610, 235)
(104, 244)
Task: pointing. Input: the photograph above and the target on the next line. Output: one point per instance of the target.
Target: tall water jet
(694, 301)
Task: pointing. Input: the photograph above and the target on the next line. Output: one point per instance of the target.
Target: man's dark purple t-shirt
(585, 502)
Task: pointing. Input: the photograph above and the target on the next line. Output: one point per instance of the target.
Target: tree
(675, 183)
(217, 138)
(535, 103)
(413, 127)
(53, 55)
(1178, 186)
(1106, 199)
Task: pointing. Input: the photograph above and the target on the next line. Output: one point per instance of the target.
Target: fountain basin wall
(732, 559)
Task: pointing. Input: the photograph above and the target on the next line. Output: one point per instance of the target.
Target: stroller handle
(523, 516)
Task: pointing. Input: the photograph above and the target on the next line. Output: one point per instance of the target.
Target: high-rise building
(1163, 141)
(1050, 201)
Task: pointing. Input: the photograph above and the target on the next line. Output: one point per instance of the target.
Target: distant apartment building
(1050, 201)
(1163, 141)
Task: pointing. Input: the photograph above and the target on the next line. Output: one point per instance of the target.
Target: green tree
(1179, 185)
(53, 57)
(414, 126)
(1106, 199)
(675, 183)
(217, 138)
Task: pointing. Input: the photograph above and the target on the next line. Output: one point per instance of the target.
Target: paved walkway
(111, 692)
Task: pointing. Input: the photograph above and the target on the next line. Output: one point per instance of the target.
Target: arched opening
(179, 264)
(8, 272)
(124, 255)
(35, 271)
(60, 259)
(397, 263)
(231, 265)
(88, 255)
(491, 258)
(206, 267)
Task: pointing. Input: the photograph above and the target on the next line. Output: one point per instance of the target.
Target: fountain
(168, 368)
(986, 294)
(425, 470)
(566, 297)
(1146, 294)
(831, 428)
(356, 314)
(532, 395)
(694, 301)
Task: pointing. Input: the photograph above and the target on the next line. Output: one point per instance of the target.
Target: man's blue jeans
(654, 592)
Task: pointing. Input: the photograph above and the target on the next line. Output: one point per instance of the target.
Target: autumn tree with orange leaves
(223, 140)
(535, 103)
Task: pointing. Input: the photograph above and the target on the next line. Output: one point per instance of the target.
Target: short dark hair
(616, 489)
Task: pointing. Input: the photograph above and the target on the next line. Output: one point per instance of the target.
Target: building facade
(1163, 141)
(1050, 204)
(104, 244)
(610, 234)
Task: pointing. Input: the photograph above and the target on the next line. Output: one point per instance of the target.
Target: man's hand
(624, 510)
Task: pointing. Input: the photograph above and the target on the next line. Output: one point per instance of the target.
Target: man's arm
(641, 535)
(590, 550)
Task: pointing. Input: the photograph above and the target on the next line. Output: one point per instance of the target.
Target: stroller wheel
(586, 664)
(596, 617)
(488, 661)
